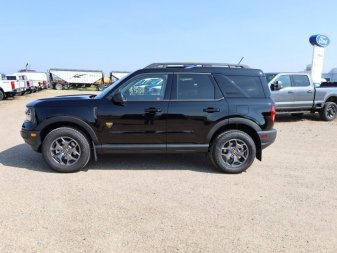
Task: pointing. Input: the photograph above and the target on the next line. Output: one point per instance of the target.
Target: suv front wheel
(66, 149)
(233, 151)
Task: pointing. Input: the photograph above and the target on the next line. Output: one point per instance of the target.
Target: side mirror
(117, 98)
(277, 85)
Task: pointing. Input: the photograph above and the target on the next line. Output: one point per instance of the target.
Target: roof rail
(193, 65)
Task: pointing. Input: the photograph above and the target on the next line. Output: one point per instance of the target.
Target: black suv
(224, 110)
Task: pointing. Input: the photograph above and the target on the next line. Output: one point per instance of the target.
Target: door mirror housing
(117, 98)
(277, 85)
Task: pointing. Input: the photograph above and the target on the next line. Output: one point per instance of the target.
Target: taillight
(273, 113)
(13, 85)
(28, 84)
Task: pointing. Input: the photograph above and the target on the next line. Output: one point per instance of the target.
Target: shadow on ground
(305, 117)
(22, 156)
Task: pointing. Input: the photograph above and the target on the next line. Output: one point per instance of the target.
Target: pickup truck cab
(295, 93)
(224, 110)
(22, 84)
(7, 88)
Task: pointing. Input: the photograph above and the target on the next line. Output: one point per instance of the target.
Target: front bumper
(267, 137)
(32, 138)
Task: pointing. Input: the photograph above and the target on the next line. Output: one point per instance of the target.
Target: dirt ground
(171, 203)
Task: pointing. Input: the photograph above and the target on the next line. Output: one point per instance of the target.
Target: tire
(297, 115)
(328, 112)
(2, 95)
(58, 86)
(241, 143)
(66, 150)
(100, 87)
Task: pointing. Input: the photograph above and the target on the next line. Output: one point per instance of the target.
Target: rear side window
(194, 87)
(300, 81)
(240, 86)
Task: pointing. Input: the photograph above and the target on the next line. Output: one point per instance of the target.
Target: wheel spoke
(65, 151)
(235, 152)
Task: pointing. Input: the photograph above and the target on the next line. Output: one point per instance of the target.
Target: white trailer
(116, 75)
(65, 78)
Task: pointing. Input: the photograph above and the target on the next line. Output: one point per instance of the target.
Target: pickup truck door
(283, 96)
(303, 92)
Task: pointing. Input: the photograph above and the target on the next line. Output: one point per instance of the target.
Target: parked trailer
(66, 78)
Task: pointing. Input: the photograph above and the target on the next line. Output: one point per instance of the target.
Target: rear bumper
(267, 137)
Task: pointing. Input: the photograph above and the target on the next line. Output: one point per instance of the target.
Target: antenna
(241, 59)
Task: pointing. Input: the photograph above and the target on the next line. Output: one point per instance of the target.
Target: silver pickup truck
(296, 94)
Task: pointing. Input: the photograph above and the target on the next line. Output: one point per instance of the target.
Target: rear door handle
(309, 91)
(290, 92)
(152, 110)
(211, 110)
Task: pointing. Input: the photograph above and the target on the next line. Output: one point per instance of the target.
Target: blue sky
(127, 35)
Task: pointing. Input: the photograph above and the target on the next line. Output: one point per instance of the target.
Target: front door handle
(152, 110)
(211, 110)
(290, 92)
(309, 91)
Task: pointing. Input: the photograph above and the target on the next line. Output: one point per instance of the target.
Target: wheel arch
(64, 121)
(245, 125)
(332, 98)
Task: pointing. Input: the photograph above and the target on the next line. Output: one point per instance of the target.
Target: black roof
(220, 68)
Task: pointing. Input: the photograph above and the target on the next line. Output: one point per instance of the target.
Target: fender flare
(73, 120)
(231, 121)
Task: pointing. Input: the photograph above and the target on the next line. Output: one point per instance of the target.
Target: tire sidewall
(324, 113)
(72, 133)
(219, 142)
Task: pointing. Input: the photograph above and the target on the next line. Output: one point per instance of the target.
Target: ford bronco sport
(224, 110)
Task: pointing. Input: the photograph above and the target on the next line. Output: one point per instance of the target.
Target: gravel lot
(158, 203)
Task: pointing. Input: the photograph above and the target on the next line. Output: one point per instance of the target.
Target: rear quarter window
(240, 86)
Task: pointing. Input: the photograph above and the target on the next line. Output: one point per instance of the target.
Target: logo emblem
(319, 40)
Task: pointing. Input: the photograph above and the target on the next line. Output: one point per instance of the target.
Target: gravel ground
(172, 203)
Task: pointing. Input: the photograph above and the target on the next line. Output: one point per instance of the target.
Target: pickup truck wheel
(329, 111)
(66, 149)
(233, 152)
(2, 95)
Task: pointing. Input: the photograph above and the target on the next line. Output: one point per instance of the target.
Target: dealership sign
(319, 40)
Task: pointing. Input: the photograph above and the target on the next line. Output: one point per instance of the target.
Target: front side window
(300, 81)
(145, 87)
(194, 87)
(285, 80)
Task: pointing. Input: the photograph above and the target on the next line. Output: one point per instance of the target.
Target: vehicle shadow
(21, 156)
(304, 117)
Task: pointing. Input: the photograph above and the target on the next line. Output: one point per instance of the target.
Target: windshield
(270, 76)
(107, 90)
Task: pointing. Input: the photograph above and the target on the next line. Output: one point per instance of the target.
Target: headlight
(30, 114)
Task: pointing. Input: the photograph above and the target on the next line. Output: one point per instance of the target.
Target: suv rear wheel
(66, 149)
(233, 152)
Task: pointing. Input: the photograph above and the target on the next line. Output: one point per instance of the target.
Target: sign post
(319, 42)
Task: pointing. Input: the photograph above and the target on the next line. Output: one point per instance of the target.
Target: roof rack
(186, 65)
